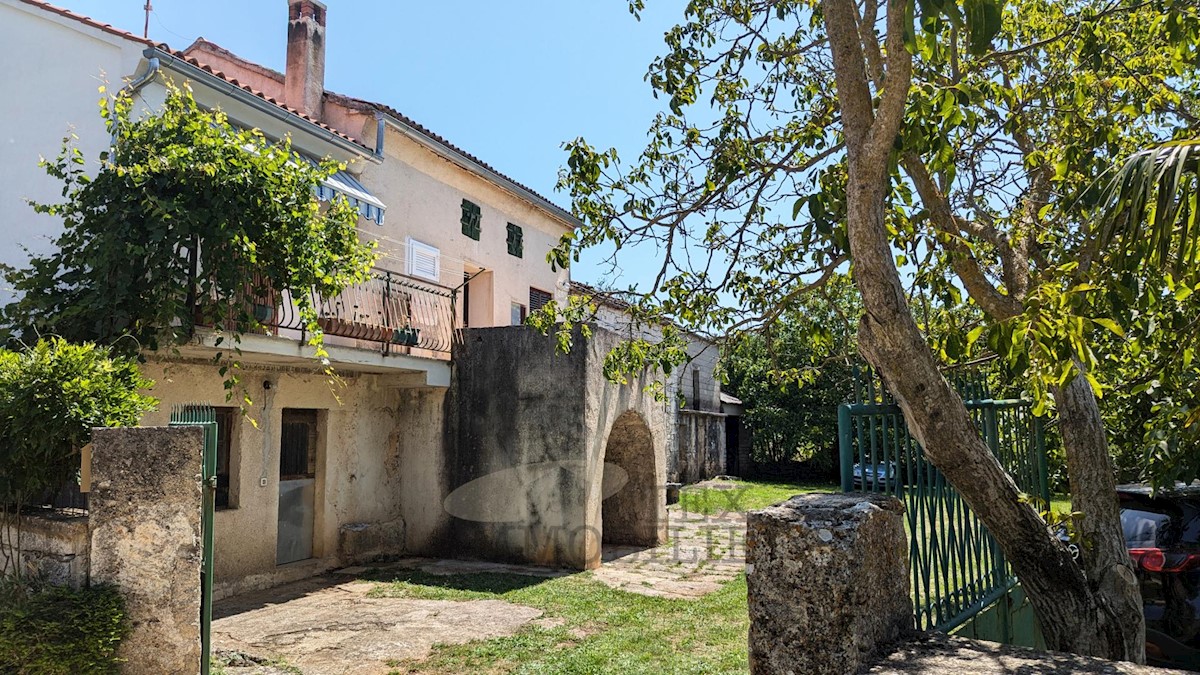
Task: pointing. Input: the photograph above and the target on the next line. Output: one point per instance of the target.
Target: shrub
(51, 395)
(54, 630)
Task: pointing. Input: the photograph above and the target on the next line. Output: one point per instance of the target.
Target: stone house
(328, 476)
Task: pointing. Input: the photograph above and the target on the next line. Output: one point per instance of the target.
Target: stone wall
(144, 526)
(827, 579)
(54, 546)
(699, 449)
(528, 432)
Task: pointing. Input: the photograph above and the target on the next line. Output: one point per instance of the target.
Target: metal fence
(956, 565)
(394, 311)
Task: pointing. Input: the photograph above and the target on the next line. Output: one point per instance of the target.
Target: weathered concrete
(827, 578)
(53, 546)
(699, 450)
(538, 441)
(145, 539)
(940, 654)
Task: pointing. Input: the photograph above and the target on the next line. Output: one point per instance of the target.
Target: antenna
(146, 29)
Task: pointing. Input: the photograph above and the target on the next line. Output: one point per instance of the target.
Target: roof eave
(178, 65)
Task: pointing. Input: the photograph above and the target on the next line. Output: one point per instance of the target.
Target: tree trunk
(1093, 494)
(1071, 615)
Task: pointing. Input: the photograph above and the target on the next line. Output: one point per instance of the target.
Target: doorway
(297, 485)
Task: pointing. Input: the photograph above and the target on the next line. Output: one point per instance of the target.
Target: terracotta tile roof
(232, 80)
(89, 21)
(202, 44)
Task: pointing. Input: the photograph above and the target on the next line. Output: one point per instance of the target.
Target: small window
(516, 240)
(471, 216)
(424, 261)
(518, 314)
(226, 497)
(696, 388)
(538, 299)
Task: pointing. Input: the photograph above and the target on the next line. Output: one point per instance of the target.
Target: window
(226, 420)
(538, 299)
(516, 243)
(424, 261)
(470, 219)
(518, 314)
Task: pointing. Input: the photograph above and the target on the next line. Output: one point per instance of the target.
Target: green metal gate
(961, 581)
(191, 414)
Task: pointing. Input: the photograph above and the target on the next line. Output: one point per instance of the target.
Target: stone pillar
(145, 539)
(827, 577)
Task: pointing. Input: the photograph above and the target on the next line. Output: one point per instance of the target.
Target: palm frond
(1150, 208)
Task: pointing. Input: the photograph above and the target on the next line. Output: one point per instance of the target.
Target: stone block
(828, 583)
(145, 539)
(360, 543)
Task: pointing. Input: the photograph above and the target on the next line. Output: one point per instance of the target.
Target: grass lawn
(747, 495)
(587, 627)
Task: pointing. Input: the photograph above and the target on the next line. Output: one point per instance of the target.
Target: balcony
(390, 312)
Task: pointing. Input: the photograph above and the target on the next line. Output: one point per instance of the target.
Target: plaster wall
(424, 195)
(53, 67)
(362, 428)
(528, 431)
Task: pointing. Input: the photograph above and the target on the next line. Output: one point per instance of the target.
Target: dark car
(1163, 536)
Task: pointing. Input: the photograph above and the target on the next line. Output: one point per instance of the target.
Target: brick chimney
(304, 79)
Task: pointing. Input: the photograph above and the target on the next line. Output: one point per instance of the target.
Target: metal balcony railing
(397, 312)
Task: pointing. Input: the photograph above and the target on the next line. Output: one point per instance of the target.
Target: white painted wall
(53, 68)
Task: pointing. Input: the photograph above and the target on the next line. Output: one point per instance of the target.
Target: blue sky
(508, 81)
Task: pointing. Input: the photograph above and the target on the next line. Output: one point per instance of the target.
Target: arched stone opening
(629, 513)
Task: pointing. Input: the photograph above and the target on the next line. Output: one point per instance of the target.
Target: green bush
(54, 630)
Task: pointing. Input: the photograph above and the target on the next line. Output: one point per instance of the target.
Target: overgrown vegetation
(189, 222)
(51, 396)
(602, 630)
(54, 630)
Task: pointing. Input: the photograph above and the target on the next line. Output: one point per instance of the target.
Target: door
(297, 485)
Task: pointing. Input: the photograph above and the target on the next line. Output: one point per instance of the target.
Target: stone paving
(702, 554)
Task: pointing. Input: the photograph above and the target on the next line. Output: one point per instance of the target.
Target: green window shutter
(470, 219)
(516, 240)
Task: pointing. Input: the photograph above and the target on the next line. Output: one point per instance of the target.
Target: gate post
(145, 531)
(846, 446)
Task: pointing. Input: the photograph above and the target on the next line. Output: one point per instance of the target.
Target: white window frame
(415, 247)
